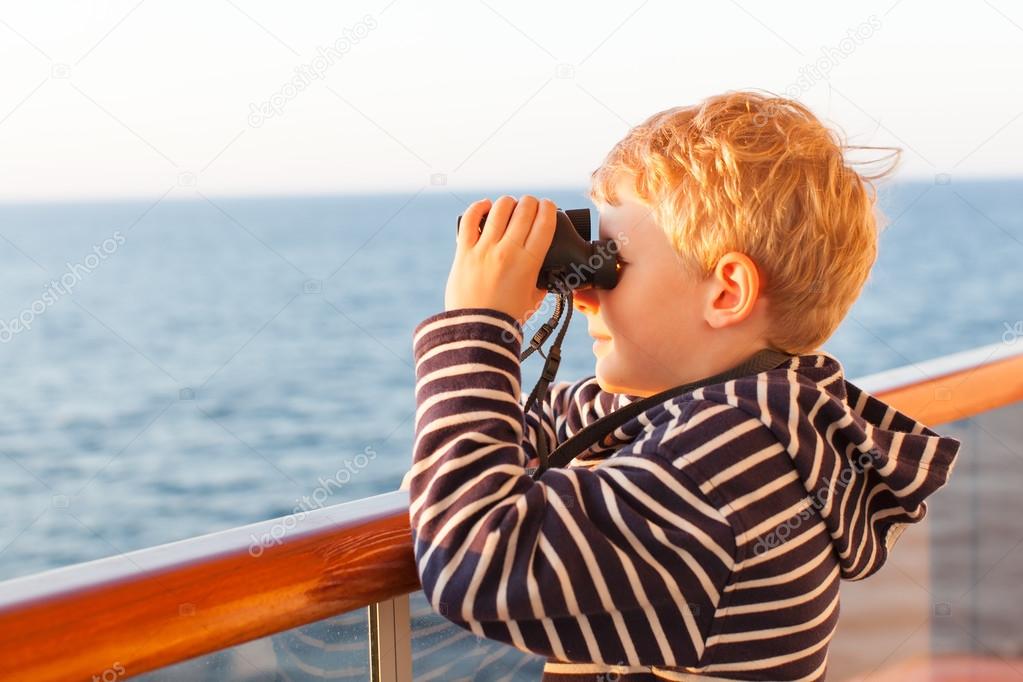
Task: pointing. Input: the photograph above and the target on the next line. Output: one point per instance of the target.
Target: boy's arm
(609, 564)
(567, 407)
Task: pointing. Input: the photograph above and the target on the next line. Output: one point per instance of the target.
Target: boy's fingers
(522, 220)
(469, 225)
(538, 242)
(497, 220)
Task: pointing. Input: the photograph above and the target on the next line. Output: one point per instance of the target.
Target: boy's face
(652, 329)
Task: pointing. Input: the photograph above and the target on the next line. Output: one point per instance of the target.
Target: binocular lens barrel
(573, 261)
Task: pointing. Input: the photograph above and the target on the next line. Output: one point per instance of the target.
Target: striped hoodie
(704, 539)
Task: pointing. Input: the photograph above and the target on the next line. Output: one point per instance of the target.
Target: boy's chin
(613, 380)
(608, 379)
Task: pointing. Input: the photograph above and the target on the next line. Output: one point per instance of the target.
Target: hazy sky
(107, 99)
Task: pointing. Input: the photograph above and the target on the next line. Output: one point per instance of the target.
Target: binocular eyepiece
(573, 261)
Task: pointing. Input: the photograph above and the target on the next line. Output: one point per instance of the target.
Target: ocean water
(209, 363)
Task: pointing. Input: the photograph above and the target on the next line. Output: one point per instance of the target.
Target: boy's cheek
(613, 304)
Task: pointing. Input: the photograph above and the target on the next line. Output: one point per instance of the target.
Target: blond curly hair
(762, 175)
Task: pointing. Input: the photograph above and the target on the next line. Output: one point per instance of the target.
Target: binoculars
(573, 261)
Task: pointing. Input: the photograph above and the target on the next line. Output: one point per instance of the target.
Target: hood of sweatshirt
(867, 468)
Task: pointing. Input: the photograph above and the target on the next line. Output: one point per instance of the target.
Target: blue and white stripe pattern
(704, 540)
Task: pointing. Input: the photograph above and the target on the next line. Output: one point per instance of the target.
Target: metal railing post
(390, 640)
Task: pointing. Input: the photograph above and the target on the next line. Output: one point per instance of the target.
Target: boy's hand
(498, 268)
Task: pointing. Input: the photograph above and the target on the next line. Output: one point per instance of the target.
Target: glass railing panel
(335, 648)
(977, 540)
(445, 652)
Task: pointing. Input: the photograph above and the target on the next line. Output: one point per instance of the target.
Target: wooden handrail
(953, 387)
(148, 609)
(151, 608)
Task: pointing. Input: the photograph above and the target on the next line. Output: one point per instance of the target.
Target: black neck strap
(760, 361)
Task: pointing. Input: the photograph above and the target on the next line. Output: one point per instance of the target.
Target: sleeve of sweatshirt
(566, 406)
(608, 564)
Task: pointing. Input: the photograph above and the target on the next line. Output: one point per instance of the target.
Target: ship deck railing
(348, 565)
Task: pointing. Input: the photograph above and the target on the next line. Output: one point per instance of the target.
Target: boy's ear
(734, 288)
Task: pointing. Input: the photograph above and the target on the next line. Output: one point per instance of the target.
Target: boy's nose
(585, 301)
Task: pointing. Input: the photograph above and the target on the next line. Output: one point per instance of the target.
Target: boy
(708, 539)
